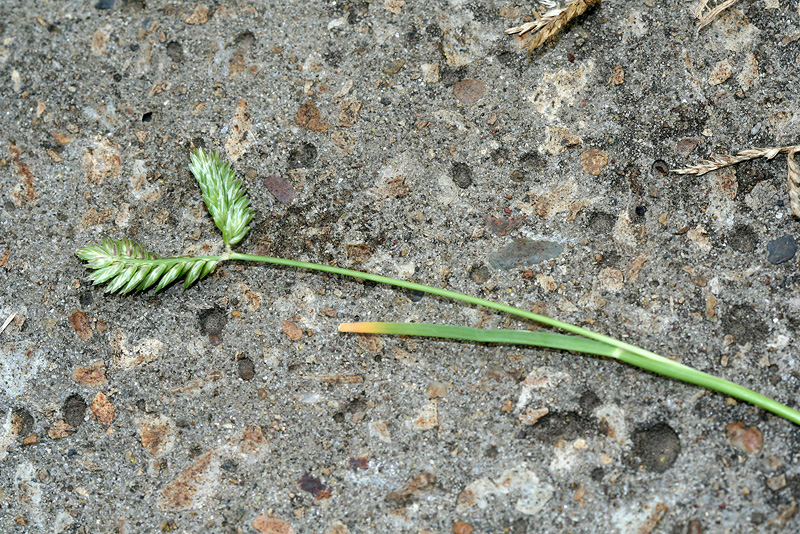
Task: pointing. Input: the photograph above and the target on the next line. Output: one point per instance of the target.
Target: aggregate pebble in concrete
(236, 406)
(781, 249)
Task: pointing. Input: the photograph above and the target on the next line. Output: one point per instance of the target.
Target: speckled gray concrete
(208, 417)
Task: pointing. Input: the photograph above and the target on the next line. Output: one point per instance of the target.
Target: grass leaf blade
(513, 337)
(664, 366)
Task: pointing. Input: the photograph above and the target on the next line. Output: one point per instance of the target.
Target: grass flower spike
(128, 267)
(223, 195)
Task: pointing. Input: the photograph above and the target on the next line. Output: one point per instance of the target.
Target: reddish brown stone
(80, 323)
(62, 138)
(92, 375)
(314, 486)
(371, 343)
(349, 114)
(358, 253)
(309, 118)
(469, 91)
(748, 440)
(272, 525)
(291, 330)
(686, 146)
(103, 162)
(200, 15)
(361, 462)
(157, 435)
(24, 192)
(594, 161)
(102, 409)
(503, 225)
(253, 440)
(409, 492)
(240, 132)
(60, 429)
(658, 514)
(92, 217)
(181, 493)
(617, 75)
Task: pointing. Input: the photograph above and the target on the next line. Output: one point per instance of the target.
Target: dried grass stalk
(706, 19)
(718, 162)
(794, 182)
(550, 22)
(701, 6)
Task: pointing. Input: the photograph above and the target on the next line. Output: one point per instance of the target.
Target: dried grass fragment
(549, 21)
(718, 162)
(706, 18)
(794, 182)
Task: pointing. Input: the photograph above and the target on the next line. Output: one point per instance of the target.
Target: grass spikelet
(550, 22)
(223, 195)
(127, 266)
(719, 161)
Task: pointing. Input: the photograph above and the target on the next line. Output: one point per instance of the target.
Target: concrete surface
(412, 139)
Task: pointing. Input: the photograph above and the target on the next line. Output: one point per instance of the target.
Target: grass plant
(127, 267)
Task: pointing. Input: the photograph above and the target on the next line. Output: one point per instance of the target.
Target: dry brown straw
(718, 162)
(701, 6)
(706, 19)
(794, 182)
(550, 23)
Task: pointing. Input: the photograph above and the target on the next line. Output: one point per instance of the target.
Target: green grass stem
(555, 323)
(620, 350)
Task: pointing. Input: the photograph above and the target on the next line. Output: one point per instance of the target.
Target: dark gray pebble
(23, 420)
(657, 447)
(416, 295)
(302, 156)
(175, 51)
(104, 4)
(246, 368)
(461, 175)
(781, 249)
(212, 321)
(73, 410)
(479, 273)
(744, 239)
